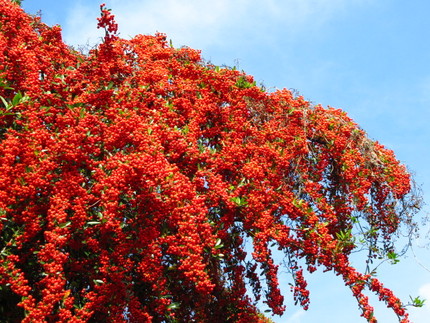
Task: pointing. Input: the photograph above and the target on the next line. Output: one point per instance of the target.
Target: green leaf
(16, 99)
(242, 182)
(93, 222)
(344, 235)
(240, 201)
(173, 306)
(4, 84)
(298, 203)
(166, 296)
(417, 301)
(393, 257)
(64, 225)
(185, 130)
(242, 83)
(170, 176)
(110, 85)
(218, 244)
(6, 104)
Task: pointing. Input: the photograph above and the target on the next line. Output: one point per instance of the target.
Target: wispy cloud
(296, 317)
(201, 24)
(422, 314)
(424, 292)
(81, 25)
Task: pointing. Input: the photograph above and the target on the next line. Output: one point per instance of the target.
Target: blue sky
(367, 57)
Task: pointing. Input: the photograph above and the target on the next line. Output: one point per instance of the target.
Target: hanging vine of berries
(132, 176)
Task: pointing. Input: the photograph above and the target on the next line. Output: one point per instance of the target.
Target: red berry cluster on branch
(107, 21)
(132, 177)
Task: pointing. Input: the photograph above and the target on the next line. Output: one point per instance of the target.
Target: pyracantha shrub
(131, 178)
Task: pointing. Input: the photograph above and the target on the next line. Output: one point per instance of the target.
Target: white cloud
(81, 25)
(296, 317)
(424, 292)
(421, 315)
(200, 23)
